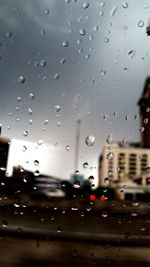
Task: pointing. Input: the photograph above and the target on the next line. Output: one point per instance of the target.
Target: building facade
(129, 165)
(121, 163)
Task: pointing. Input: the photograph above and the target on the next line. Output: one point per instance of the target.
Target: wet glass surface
(75, 133)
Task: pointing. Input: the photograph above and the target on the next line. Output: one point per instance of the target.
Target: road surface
(70, 233)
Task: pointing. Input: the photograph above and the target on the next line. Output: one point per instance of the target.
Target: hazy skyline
(80, 59)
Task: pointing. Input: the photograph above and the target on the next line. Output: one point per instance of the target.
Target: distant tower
(77, 145)
(144, 104)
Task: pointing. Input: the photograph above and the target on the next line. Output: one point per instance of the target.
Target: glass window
(75, 132)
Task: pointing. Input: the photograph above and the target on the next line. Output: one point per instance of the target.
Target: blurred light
(102, 198)
(92, 197)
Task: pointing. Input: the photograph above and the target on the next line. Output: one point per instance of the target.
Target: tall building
(129, 164)
(4, 148)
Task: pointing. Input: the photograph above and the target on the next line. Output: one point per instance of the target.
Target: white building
(119, 165)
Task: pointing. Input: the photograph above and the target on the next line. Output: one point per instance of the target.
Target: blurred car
(48, 186)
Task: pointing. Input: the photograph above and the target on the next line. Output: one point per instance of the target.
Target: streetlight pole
(77, 145)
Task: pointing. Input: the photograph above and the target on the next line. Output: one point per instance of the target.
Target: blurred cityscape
(124, 172)
(45, 216)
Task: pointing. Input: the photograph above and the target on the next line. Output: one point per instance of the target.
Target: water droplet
(36, 63)
(4, 223)
(103, 72)
(80, 51)
(19, 229)
(24, 148)
(9, 127)
(56, 76)
(140, 23)
(37, 243)
(87, 56)
(146, 121)
(65, 43)
(125, 5)
(76, 184)
(131, 53)
(36, 162)
(135, 204)
(82, 32)
(142, 129)
(43, 32)
(36, 173)
(30, 111)
(17, 108)
(125, 27)
(47, 11)
(148, 170)
(31, 96)
(40, 142)
(57, 108)
(113, 11)
(90, 140)
(101, 13)
(62, 60)
(21, 79)
(46, 122)
(106, 40)
(19, 98)
(105, 117)
(109, 139)
(21, 169)
(8, 34)
(102, 4)
(88, 208)
(85, 165)
(82, 214)
(146, 6)
(125, 69)
(43, 63)
(106, 180)
(25, 133)
(67, 1)
(91, 178)
(104, 214)
(143, 228)
(86, 5)
(134, 213)
(110, 156)
(90, 37)
(59, 229)
(31, 121)
(96, 28)
(67, 148)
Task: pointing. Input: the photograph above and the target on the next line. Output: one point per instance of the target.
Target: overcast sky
(76, 58)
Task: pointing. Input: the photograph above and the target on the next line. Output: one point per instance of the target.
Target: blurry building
(124, 163)
(128, 164)
(4, 148)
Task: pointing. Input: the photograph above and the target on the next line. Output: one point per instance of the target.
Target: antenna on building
(77, 145)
